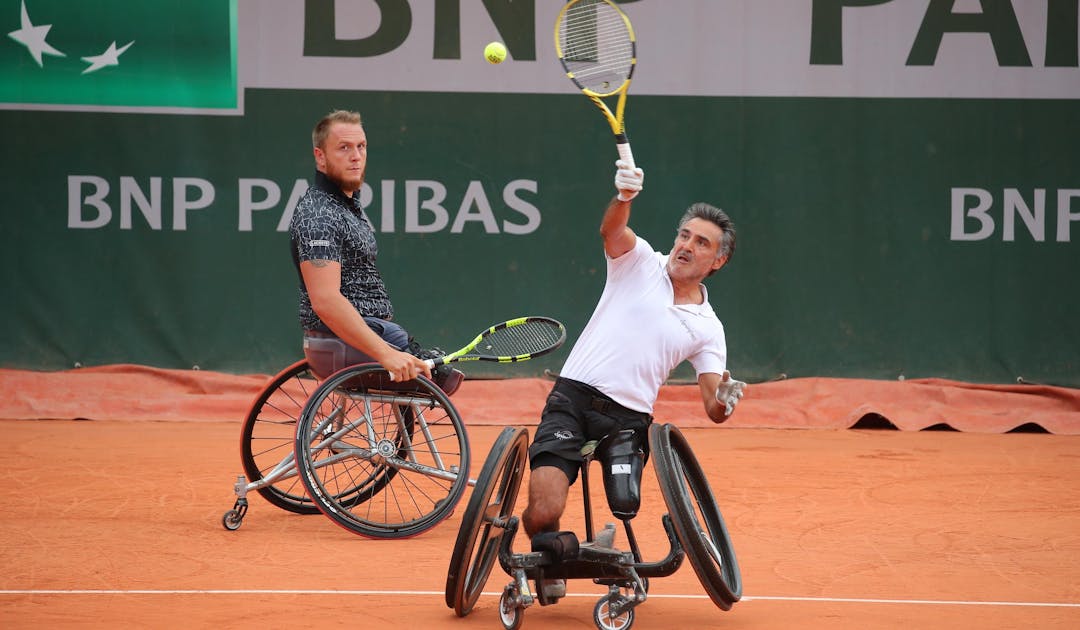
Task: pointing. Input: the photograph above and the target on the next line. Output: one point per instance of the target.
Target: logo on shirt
(563, 435)
(689, 330)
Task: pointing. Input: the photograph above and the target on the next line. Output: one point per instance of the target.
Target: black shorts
(574, 414)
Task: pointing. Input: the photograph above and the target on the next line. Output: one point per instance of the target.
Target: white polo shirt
(637, 335)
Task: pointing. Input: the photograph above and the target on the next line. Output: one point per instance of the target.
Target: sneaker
(606, 538)
(553, 589)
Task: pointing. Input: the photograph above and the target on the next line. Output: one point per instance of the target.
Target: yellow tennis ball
(495, 52)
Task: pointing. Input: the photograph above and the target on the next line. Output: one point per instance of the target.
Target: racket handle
(430, 363)
(622, 143)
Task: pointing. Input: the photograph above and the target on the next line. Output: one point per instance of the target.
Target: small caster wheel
(605, 621)
(232, 520)
(511, 614)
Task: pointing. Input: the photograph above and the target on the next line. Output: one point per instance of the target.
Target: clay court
(117, 479)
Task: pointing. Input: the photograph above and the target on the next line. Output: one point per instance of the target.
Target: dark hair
(322, 128)
(701, 210)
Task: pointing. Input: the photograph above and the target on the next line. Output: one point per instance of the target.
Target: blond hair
(322, 128)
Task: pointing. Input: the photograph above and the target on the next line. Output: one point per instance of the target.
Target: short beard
(340, 182)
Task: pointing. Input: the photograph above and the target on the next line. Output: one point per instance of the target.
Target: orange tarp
(134, 392)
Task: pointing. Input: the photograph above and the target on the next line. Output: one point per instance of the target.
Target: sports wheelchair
(382, 459)
(694, 529)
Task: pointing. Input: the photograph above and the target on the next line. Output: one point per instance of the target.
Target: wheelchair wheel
(604, 620)
(477, 545)
(510, 613)
(382, 459)
(266, 441)
(698, 524)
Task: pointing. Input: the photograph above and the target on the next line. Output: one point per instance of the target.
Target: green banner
(903, 176)
(863, 249)
(178, 54)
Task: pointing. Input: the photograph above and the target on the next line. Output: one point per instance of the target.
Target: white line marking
(748, 598)
(931, 602)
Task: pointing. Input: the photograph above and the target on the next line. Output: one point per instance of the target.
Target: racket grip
(430, 363)
(625, 154)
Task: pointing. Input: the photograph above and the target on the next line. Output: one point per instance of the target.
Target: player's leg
(548, 489)
(391, 332)
(554, 459)
(623, 457)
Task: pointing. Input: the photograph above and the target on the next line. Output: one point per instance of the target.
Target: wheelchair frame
(694, 527)
(379, 458)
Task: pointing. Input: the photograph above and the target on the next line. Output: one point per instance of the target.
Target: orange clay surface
(117, 524)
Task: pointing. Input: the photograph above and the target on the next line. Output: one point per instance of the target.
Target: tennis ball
(495, 52)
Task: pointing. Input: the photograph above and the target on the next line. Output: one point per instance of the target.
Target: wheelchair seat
(327, 355)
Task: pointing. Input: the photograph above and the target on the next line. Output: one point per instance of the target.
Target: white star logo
(110, 57)
(33, 37)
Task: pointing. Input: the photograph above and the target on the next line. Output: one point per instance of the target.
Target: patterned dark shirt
(327, 225)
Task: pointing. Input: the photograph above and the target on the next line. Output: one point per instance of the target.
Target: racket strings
(597, 46)
(525, 338)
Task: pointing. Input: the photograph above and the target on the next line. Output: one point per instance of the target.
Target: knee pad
(623, 458)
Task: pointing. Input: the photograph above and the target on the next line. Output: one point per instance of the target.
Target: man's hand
(403, 366)
(628, 181)
(729, 392)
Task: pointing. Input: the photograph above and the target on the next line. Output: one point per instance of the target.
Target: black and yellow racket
(595, 44)
(515, 340)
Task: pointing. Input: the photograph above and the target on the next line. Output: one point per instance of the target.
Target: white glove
(628, 181)
(729, 392)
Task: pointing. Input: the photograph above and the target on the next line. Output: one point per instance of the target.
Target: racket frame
(463, 353)
(615, 120)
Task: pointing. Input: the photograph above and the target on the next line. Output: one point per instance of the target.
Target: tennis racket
(595, 44)
(519, 339)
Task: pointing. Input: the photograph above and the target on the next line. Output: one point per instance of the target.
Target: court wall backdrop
(904, 175)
